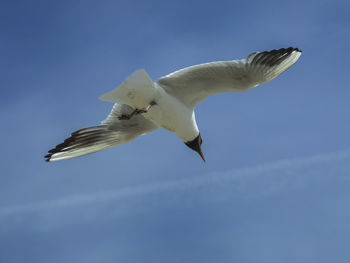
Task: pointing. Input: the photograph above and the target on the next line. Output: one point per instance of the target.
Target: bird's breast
(174, 116)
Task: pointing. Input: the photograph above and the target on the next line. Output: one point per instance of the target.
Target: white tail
(137, 91)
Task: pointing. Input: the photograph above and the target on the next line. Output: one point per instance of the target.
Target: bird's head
(196, 145)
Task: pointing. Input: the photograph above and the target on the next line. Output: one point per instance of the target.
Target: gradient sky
(275, 187)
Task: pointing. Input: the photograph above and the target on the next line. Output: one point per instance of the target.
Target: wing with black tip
(111, 132)
(193, 84)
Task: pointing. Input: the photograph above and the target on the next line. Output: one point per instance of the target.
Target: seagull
(141, 105)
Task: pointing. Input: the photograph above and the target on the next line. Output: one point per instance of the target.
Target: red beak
(201, 154)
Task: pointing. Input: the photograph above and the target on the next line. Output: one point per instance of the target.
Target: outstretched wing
(110, 132)
(193, 84)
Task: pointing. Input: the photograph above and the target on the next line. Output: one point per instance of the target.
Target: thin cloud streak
(287, 168)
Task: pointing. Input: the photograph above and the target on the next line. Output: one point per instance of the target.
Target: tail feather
(84, 141)
(137, 91)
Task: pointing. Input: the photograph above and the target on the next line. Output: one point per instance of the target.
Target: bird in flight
(141, 105)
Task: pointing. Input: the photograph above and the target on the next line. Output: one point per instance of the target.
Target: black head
(196, 144)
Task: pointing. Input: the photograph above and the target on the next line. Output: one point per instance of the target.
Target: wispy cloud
(277, 176)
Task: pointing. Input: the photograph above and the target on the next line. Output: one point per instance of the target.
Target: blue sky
(275, 184)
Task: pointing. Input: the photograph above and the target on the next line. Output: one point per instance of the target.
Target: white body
(171, 114)
(138, 91)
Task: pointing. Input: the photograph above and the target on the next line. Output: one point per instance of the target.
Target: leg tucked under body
(137, 111)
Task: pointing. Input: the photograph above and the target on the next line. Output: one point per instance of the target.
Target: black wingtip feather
(81, 138)
(59, 147)
(273, 57)
(48, 157)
